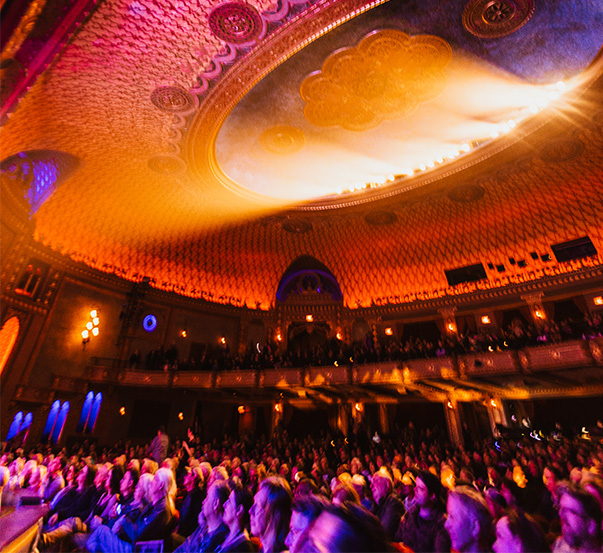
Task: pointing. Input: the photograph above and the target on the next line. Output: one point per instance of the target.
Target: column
(453, 420)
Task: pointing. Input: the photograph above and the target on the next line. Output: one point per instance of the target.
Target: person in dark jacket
(422, 527)
(389, 508)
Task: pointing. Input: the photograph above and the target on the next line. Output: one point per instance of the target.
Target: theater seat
(151, 546)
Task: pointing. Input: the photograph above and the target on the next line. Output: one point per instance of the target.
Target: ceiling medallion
(562, 149)
(282, 139)
(496, 18)
(236, 23)
(380, 218)
(167, 165)
(173, 99)
(466, 193)
(384, 78)
(297, 226)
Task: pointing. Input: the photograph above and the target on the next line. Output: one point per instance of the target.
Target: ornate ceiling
(200, 126)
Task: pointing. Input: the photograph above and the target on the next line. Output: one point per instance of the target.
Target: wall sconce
(451, 327)
(183, 333)
(485, 320)
(241, 409)
(279, 337)
(538, 314)
(309, 318)
(278, 407)
(598, 300)
(122, 410)
(181, 415)
(359, 407)
(339, 336)
(91, 327)
(389, 331)
(449, 405)
(223, 340)
(493, 403)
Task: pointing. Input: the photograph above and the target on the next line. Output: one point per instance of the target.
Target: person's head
(193, 479)
(304, 511)
(427, 490)
(516, 533)
(129, 482)
(347, 528)
(114, 480)
(381, 485)
(86, 476)
(306, 486)
(149, 466)
(237, 507)
(163, 486)
(161, 430)
(142, 492)
(469, 521)
(218, 474)
(345, 492)
(271, 510)
(213, 504)
(102, 473)
(580, 515)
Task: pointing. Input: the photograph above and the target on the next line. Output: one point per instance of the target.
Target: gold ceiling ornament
(496, 18)
(282, 139)
(385, 77)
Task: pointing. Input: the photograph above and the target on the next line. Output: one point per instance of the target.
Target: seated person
(388, 506)
(346, 529)
(271, 513)
(212, 529)
(304, 511)
(422, 527)
(154, 522)
(469, 521)
(236, 517)
(191, 504)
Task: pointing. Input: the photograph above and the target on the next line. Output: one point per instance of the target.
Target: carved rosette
(167, 165)
(236, 23)
(496, 18)
(380, 218)
(282, 139)
(563, 149)
(173, 99)
(466, 193)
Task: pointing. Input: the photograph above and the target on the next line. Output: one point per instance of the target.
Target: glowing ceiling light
(465, 147)
(89, 326)
(95, 331)
(95, 321)
(93, 313)
(85, 334)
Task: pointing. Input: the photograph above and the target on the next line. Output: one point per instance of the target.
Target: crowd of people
(518, 334)
(412, 493)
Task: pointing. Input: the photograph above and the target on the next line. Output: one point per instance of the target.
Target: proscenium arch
(306, 266)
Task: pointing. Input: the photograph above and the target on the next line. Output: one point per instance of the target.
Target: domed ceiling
(216, 142)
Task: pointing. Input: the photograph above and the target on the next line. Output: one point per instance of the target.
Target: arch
(40, 172)
(8, 338)
(57, 430)
(307, 275)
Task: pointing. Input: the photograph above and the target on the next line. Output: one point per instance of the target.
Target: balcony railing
(554, 357)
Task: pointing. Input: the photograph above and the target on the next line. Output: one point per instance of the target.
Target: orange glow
(279, 337)
(183, 334)
(122, 410)
(448, 478)
(8, 337)
(539, 314)
(222, 340)
(309, 318)
(449, 404)
(485, 320)
(389, 331)
(451, 327)
(241, 409)
(493, 403)
(339, 336)
(598, 300)
(181, 415)
(359, 407)
(278, 407)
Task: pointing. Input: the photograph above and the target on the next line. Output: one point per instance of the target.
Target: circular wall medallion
(149, 323)
(466, 193)
(173, 99)
(297, 226)
(167, 165)
(380, 218)
(562, 149)
(496, 18)
(236, 23)
(282, 139)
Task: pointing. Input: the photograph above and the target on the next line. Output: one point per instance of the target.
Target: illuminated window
(8, 337)
(90, 411)
(55, 421)
(19, 428)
